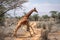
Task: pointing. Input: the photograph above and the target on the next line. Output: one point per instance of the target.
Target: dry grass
(23, 34)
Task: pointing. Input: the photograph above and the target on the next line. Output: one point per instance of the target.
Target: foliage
(59, 15)
(2, 15)
(45, 16)
(34, 17)
(53, 14)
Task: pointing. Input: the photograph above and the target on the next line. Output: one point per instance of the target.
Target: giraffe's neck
(28, 14)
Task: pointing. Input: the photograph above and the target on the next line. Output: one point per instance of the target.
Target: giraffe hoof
(31, 35)
(13, 35)
(35, 33)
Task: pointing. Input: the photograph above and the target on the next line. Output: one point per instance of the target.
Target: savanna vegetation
(7, 5)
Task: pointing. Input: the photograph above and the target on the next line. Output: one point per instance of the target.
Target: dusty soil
(26, 36)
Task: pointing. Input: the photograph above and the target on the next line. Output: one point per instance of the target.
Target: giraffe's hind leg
(32, 30)
(28, 28)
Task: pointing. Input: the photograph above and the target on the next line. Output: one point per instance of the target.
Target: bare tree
(11, 4)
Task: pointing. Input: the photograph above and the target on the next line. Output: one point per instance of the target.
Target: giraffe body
(24, 21)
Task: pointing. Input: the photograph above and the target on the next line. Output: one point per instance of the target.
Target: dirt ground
(36, 36)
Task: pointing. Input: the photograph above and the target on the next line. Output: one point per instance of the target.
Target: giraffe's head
(35, 10)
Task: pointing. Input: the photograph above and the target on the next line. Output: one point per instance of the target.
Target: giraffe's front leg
(17, 27)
